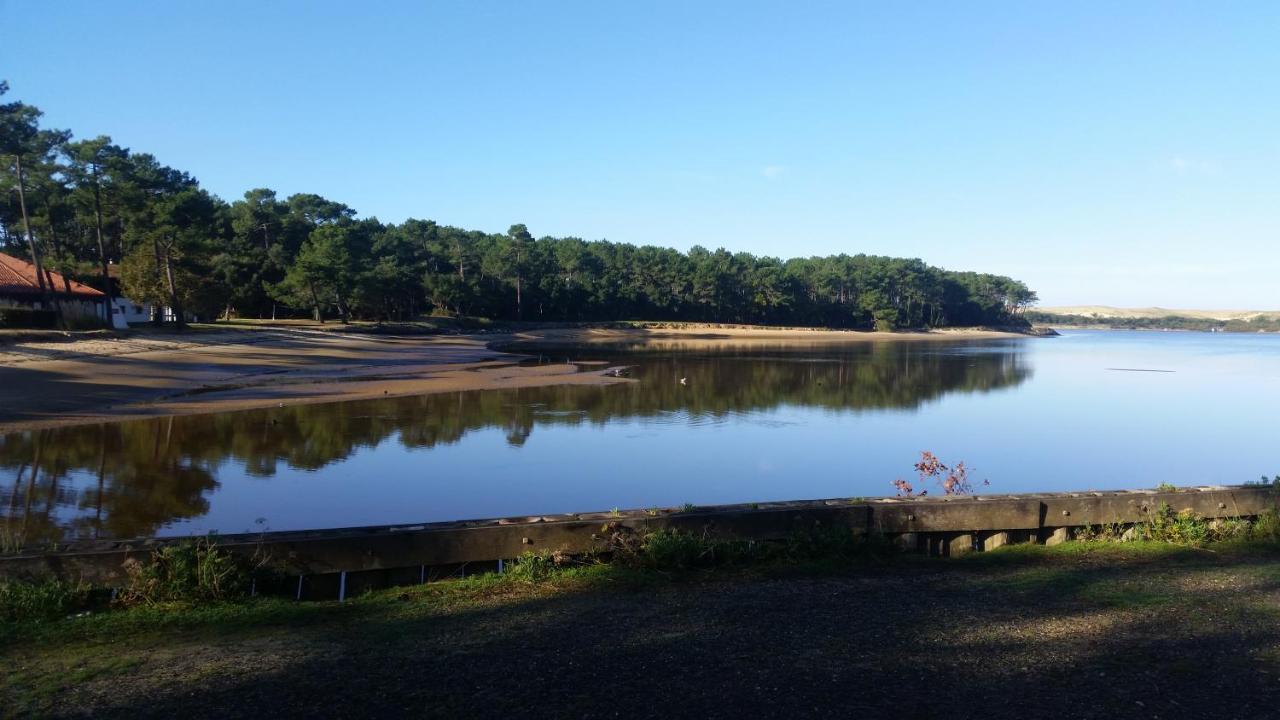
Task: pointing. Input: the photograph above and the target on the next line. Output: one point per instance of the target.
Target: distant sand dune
(1157, 312)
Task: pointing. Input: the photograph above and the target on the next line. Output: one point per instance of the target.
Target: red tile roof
(18, 277)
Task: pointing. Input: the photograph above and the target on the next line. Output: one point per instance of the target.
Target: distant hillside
(1155, 318)
(1106, 311)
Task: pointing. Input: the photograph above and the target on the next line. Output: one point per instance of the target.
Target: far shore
(53, 379)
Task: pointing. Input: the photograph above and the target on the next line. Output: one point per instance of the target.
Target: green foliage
(1168, 526)
(21, 601)
(534, 567)
(196, 570)
(179, 246)
(1266, 527)
(672, 550)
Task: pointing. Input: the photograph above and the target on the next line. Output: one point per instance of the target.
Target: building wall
(71, 307)
(129, 311)
(75, 310)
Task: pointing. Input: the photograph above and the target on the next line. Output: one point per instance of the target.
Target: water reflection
(134, 478)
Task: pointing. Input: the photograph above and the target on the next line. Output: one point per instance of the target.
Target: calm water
(1068, 413)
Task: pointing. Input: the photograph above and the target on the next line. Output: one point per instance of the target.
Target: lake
(1088, 410)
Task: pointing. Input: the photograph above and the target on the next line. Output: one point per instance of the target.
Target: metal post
(422, 574)
(501, 567)
(299, 597)
(342, 587)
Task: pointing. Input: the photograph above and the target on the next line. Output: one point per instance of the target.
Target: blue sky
(1112, 153)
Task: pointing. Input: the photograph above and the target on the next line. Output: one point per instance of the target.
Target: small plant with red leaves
(905, 489)
(954, 479)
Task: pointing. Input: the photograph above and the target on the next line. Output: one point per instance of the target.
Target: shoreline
(106, 378)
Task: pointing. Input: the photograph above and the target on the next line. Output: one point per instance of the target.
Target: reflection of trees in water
(134, 477)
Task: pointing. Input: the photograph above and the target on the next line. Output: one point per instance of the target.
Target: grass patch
(35, 602)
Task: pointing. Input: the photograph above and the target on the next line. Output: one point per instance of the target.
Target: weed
(1165, 487)
(534, 567)
(688, 507)
(954, 479)
(10, 541)
(41, 601)
(615, 513)
(1266, 526)
(1105, 532)
(186, 571)
(674, 550)
(1177, 527)
(1165, 525)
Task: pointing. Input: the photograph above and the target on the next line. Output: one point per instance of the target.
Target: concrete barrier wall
(937, 525)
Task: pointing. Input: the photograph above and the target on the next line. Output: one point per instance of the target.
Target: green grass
(668, 558)
(53, 655)
(38, 602)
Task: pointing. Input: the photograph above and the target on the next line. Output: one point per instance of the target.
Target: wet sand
(52, 383)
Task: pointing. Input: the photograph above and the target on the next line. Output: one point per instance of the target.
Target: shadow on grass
(1028, 633)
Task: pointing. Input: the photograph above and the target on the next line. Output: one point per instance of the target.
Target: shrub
(674, 550)
(187, 571)
(1266, 526)
(534, 567)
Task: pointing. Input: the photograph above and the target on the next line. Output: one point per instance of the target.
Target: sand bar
(48, 383)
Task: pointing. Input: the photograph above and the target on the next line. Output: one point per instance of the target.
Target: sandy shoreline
(47, 383)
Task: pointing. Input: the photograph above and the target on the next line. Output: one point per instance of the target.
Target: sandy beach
(66, 381)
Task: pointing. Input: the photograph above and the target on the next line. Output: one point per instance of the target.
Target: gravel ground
(1071, 637)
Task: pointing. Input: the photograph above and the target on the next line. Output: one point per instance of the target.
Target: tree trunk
(157, 314)
(45, 297)
(178, 316)
(315, 304)
(102, 246)
(57, 249)
(342, 308)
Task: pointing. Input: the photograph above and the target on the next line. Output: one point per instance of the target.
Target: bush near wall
(18, 317)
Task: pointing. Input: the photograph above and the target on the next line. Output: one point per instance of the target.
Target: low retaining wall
(324, 561)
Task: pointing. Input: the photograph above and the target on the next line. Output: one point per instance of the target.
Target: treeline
(83, 207)
(1259, 323)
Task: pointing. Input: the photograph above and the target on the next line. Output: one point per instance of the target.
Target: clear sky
(1123, 153)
